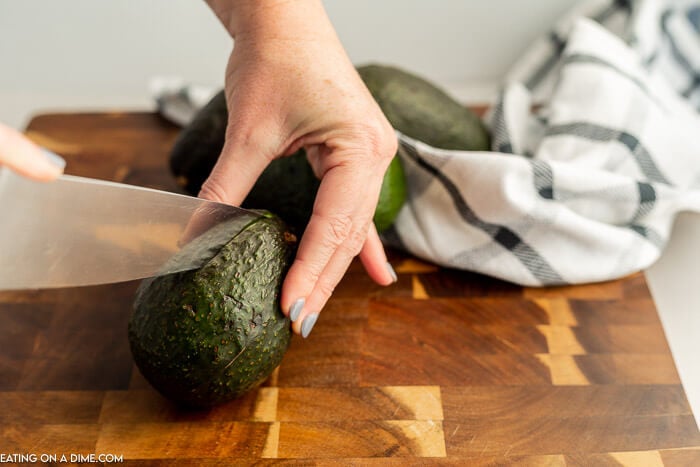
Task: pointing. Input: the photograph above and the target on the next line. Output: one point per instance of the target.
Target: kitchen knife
(78, 231)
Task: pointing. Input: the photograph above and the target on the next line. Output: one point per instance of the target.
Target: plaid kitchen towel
(587, 187)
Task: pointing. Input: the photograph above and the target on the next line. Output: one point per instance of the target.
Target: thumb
(234, 174)
(230, 180)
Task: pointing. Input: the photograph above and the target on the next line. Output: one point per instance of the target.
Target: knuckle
(392, 145)
(212, 189)
(311, 272)
(380, 139)
(339, 227)
(387, 143)
(326, 288)
(252, 134)
(353, 243)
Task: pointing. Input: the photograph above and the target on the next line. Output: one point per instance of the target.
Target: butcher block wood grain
(442, 368)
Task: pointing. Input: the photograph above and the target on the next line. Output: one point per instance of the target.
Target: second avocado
(288, 186)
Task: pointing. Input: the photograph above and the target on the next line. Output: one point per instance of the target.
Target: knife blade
(79, 231)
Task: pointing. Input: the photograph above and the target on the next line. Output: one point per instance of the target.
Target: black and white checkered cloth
(585, 188)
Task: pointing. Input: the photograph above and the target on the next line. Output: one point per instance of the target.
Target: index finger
(26, 158)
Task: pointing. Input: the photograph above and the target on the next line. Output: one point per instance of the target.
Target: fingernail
(308, 324)
(295, 309)
(55, 159)
(389, 268)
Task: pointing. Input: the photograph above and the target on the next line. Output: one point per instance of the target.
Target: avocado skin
(392, 195)
(288, 188)
(198, 146)
(423, 111)
(207, 336)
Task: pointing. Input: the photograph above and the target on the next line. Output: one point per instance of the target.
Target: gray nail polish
(308, 324)
(392, 272)
(55, 159)
(295, 309)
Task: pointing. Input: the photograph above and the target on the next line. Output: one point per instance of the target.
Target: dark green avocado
(288, 188)
(198, 145)
(206, 336)
(421, 110)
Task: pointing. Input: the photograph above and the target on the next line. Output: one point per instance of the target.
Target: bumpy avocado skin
(423, 111)
(207, 336)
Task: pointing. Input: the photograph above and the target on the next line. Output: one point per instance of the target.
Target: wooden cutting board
(444, 367)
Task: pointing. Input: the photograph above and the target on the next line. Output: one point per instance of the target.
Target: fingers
(234, 174)
(26, 158)
(338, 230)
(374, 259)
(244, 157)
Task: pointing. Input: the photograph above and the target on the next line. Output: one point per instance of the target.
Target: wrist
(272, 19)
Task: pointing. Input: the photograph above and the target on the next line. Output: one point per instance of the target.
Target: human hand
(26, 158)
(289, 84)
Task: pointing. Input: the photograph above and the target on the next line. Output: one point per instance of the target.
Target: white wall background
(79, 54)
